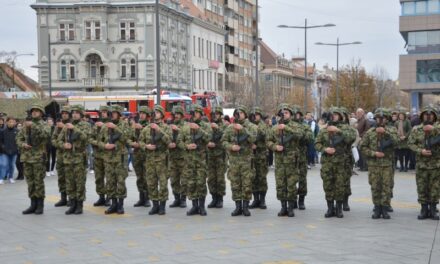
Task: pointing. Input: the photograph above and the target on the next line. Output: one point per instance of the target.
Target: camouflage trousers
(34, 174)
(428, 185)
(177, 176)
(380, 179)
(333, 177)
(286, 179)
(195, 174)
(302, 181)
(259, 182)
(240, 174)
(140, 171)
(99, 168)
(157, 179)
(61, 173)
(76, 176)
(348, 174)
(216, 175)
(115, 174)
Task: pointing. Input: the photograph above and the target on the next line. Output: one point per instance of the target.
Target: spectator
(90, 158)
(2, 122)
(311, 152)
(8, 150)
(51, 151)
(362, 127)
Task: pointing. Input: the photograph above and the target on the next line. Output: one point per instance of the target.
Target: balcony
(95, 82)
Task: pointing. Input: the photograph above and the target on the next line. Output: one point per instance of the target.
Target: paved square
(218, 238)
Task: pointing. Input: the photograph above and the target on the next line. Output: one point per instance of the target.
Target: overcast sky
(373, 22)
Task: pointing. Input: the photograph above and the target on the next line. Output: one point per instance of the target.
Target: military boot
(301, 205)
(31, 208)
(202, 209)
(330, 209)
(79, 208)
(238, 209)
(263, 200)
(62, 201)
(155, 209)
(246, 211)
(219, 203)
(295, 204)
(141, 201)
(345, 205)
(72, 207)
(385, 211)
(213, 203)
(182, 201)
(290, 212)
(390, 209)
(283, 211)
(147, 200)
(107, 201)
(423, 212)
(433, 209)
(120, 208)
(68, 202)
(100, 201)
(376, 212)
(256, 201)
(339, 213)
(40, 206)
(162, 205)
(176, 202)
(194, 209)
(113, 207)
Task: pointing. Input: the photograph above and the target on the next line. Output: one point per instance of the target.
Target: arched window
(63, 76)
(123, 68)
(132, 69)
(67, 68)
(128, 67)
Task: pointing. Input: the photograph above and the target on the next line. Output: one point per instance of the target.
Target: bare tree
(383, 83)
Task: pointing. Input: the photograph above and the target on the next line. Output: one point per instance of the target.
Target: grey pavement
(218, 238)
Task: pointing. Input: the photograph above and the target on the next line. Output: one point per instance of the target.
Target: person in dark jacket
(8, 150)
(51, 151)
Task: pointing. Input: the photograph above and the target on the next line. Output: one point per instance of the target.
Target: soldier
(378, 146)
(238, 140)
(139, 157)
(332, 141)
(424, 140)
(155, 138)
(216, 160)
(177, 160)
(98, 155)
(194, 137)
(259, 183)
(32, 140)
(61, 172)
(74, 139)
(113, 143)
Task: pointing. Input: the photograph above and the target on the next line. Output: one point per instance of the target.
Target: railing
(94, 82)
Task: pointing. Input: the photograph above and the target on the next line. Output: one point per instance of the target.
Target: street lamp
(13, 65)
(306, 27)
(157, 53)
(337, 44)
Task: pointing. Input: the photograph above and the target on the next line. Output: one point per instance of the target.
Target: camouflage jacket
(95, 138)
(371, 144)
(307, 140)
(341, 140)
(216, 138)
(244, 138)
(179, 151)
(260, 142)
(117, 136)
(54, 138)
(200, 137)
(134, 136)
(160, 139)
(348, 151)
(78, 137)
(418, 141)
(37, 136)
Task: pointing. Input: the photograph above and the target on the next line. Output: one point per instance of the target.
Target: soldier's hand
(135, 145)
(402, 138)
(332, 129)
(26, 146)
(60, 125)
(191, 146)
(214, 126)
(235, 148)
(151, 147)
(67, 146)
(174, 127)
(227, 123)
(69, 126)
(99, 124)
(154, 126)
(109, 146)
(193, 126)
(380, 130)
(428, 128)
(172, 145)
(379, 154)
(138, 126)
(211, 145)
(254, 146)
(28, 124)
(426, 153)
(110, 125)
(330, 151)
(279, 148)
(281, 126)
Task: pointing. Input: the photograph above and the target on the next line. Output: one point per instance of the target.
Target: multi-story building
(420, 67)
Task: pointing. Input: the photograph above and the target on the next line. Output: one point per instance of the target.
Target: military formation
(198, 154)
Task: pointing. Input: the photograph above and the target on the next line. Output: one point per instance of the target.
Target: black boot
(202, 209)
(113, 207)
(68, 202)
(339, 213)
(31, 208)
(390, 209)
(155, 209)
(62, 201)
(295, 204)
(246, 211)
(345, 205)
(219, 203)
(194, 209)
(176, 202)
(40, 206)
(423, 212)
(182, 201)
(256, 201)
(107, 201)
(147, 200)
(376, 212)
(213, 203)
(79, 207)
(263, 200)
(283, 211)
(72, 207)
(141, 201)
(238, 209)
(433, 209)
(100, 201)
(330, 209)
(162, 205)
(385, 211)
(301, 205)
(120, 209)
(290, 212)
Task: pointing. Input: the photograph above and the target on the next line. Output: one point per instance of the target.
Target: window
(433, 6)
(72, 70)
(208, 5)
(71, 32)
(428, 71)
(67, 32)
(123, 68)
(194, 45)
(220, 53)
(67, 69)
(421, 7)
(63, 70)
(203, 48)
(93, 30)
(128, 67)
(132, 69)
(199, 48)
(127, 30)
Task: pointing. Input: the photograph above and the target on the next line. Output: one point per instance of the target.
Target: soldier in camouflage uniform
(284, 140)
(177, 160)
(216, 160)
(61, 172)
(113, 141)
(74, 139)
(238, 139)
(155, 138)
(259, 183)
(98, 155)
(424, 140)
(32, 140)
(378, 146)
(331, 142)
(139, 157)
(194, 137)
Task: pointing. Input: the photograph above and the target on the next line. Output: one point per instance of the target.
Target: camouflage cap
(297, 110)
(160, 109)
(243, 109)
(117, 108)
(429, 110)
(38, 107)
(382, 112)
(77, 108)
(257, 110)
(65, 108)
(145, 109)
(177, 109)
(284, 106)
(104, 108)
(197, 108)
(218, 109)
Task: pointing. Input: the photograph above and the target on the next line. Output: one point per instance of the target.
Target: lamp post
(305, 28)
(157, 53)
(337, 45)
(13, 65)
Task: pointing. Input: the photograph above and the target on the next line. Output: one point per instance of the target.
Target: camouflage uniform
(156, 163)
(34, 159)
(333, 170)
(240, 171)
(195, 169)
(287, 161)
(75, 160)
(380, 170)
(427, 167)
